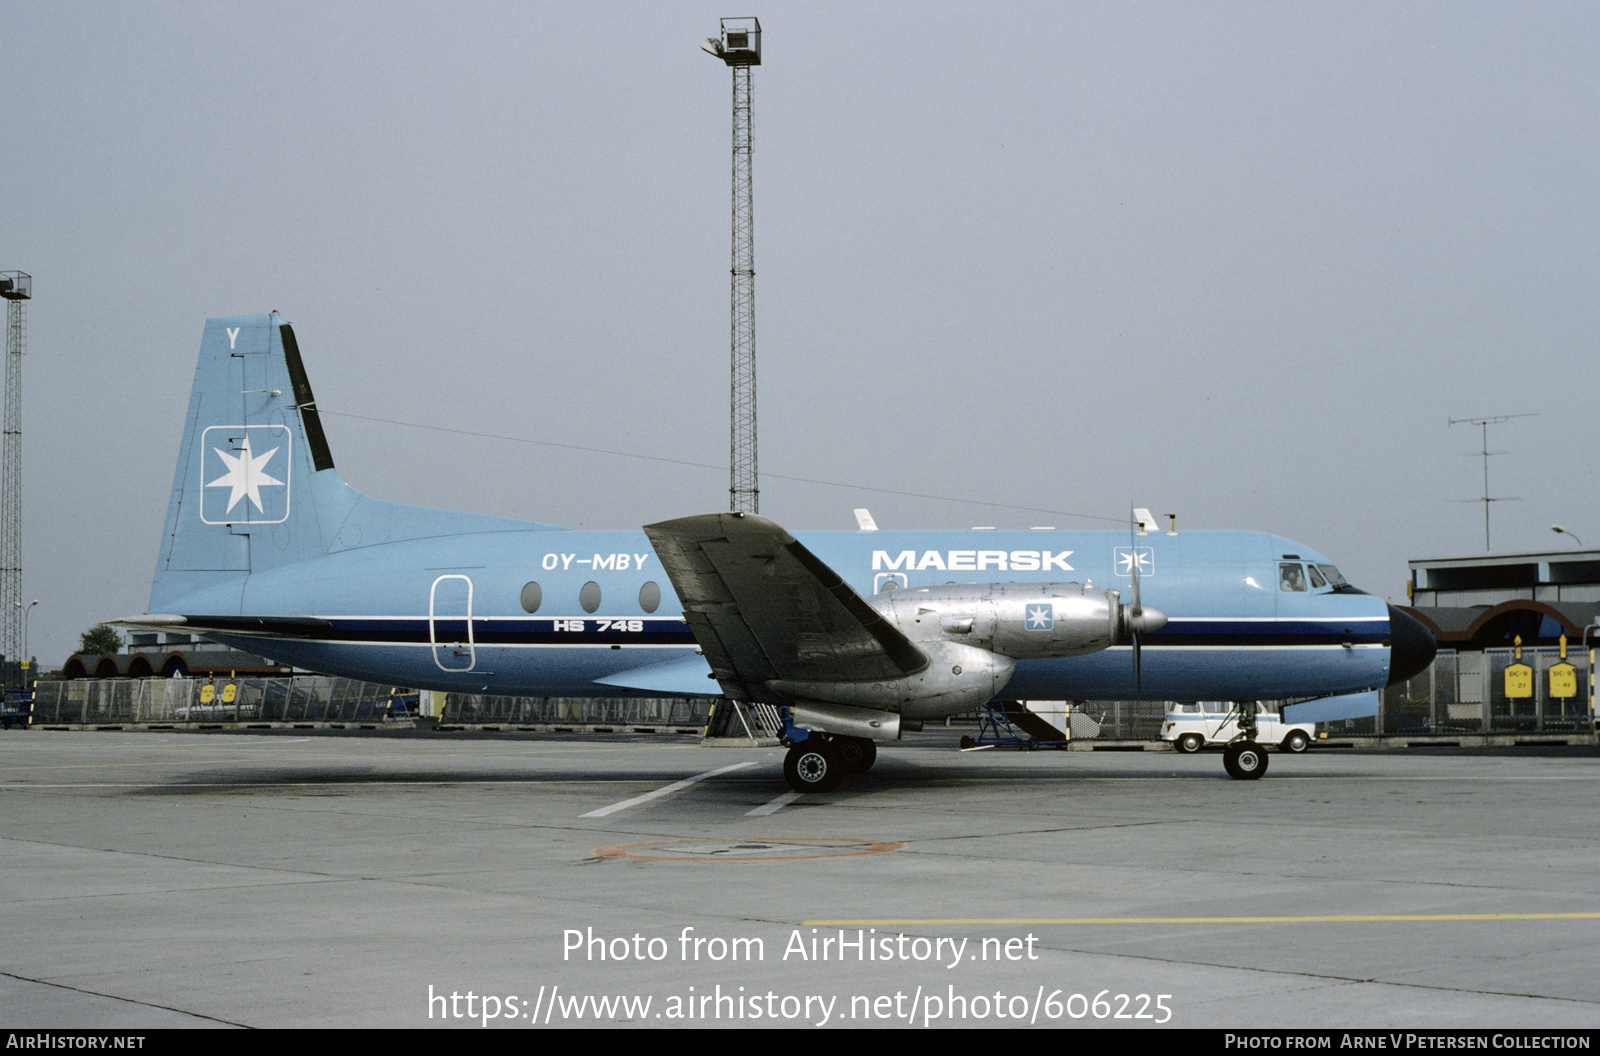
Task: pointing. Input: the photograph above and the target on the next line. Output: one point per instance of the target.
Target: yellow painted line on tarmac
(1369, 918)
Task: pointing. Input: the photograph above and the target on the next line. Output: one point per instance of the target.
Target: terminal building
(1492, 614)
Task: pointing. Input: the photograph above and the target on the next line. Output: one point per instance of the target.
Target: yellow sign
(1519, 681)
(1563, 681)
(206, 693)
(229, 691)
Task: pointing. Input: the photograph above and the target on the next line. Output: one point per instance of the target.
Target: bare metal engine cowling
(973, 635)
(1025, 621)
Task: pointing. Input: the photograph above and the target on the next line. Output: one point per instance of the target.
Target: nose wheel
(1244, 760)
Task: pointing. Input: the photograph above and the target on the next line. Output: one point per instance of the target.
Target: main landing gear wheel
(1296, 742)
(813, 766)
(1189, 743)
(1244, 760)
(856, 754)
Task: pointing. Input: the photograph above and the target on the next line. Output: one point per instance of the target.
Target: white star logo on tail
(245, 475)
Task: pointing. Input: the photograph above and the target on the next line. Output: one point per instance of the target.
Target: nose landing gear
(1243, 758)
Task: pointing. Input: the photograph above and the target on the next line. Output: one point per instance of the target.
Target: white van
(1192, 726)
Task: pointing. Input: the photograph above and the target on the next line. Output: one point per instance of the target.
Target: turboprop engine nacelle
(973, 635)
(957, 678)
(1024, 621)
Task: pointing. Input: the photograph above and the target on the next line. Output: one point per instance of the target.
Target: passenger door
(450, 623)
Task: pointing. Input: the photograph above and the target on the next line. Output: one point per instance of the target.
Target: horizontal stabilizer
(762, 607)
(282, 626)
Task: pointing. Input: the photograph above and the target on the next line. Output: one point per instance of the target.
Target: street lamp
(25, 663)
(1562, 531)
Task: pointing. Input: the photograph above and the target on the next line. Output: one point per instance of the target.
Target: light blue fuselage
(397, 611)
(268, 550)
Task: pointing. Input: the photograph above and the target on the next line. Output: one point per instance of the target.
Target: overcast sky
(1039, 261)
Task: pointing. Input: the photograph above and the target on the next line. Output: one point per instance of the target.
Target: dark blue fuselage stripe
(576, 631)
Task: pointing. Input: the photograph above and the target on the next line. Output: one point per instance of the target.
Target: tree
(101, 638)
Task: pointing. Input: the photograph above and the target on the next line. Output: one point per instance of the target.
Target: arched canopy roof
(1495, 625)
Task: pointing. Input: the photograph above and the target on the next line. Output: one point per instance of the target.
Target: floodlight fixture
(740, 44)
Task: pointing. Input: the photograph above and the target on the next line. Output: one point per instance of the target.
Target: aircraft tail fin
(252, 448)
(255, 487)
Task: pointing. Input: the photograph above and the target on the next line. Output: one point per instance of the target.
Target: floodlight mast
(17, 289)
(740, 48)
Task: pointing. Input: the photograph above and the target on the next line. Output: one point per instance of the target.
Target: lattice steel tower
(17, 288)
(740, 48)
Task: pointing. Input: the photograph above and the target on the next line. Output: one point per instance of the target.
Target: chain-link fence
(621, 713)
(303, 698)
(324, 698)
(1121, 720)
(1468, 693)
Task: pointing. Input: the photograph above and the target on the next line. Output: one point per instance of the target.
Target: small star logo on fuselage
(1126, 557)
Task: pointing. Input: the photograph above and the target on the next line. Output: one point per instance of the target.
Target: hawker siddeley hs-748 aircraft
(859, 634)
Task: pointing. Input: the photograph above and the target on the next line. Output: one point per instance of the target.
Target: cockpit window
(1317, 582)
(1291, 576)
(1333, 575)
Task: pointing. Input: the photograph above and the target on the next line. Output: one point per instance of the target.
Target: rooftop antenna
(740, 48)
(1484, 424)
(17, 289)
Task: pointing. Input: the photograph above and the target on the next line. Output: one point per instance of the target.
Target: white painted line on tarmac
(775, 806)
(658, 793)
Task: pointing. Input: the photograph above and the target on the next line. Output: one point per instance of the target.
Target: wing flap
(763, 607)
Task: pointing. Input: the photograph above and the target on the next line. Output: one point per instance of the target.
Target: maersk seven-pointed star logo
(1125, 556)
(1039, 617)
(235, 474)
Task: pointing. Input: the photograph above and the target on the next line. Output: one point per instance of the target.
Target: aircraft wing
(763, 607)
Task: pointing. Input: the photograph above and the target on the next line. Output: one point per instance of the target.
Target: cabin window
(650, 596)
(1317, 582)
(531, 597)
(1291, 576)
(589, 596)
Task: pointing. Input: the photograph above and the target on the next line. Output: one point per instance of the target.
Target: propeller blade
(1135, 617)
